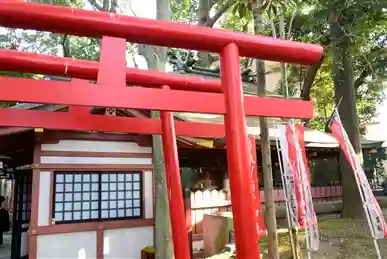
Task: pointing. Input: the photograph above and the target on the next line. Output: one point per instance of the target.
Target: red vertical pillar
(256, 193)
(243, 207)
(174, 188)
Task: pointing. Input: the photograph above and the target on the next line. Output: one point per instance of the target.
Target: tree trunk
(293, 233)
(106, 5)
(163, 235)
(344, 90)
(204, 19)
(156, 58)
(66, 46)
(204, 8)
(270, 218)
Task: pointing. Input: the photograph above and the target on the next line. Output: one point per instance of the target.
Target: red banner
(295, 167)
(308, 198)
(254, 175)
(296, 182)
(370, 204)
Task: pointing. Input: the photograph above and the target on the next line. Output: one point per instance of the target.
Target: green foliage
(243, 10)
(52, 43)
(365, 23)
(184, 11)
(234, 21)
(310, 21)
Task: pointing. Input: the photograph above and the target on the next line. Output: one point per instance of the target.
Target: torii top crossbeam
(146, 31)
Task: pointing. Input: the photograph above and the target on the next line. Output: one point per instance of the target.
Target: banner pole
(361, 191)
(335, 109)
(305, 206)
(290, 228)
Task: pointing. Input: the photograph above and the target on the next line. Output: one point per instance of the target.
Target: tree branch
(309, 78)
(211, 21)
(66, 46)
(291, 23)
(361, 79)
(368, 70)
(97, 6)
(114, 6)
(312, 72)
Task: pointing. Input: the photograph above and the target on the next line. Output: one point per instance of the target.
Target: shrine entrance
(16, 149)
(21, 214)
(172, 93)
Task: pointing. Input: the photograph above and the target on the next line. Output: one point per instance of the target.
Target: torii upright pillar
(246, 235)
(174, 189)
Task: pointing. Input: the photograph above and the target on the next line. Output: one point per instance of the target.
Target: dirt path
(347, 239)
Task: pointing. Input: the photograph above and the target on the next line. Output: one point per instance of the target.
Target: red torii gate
(111, 72)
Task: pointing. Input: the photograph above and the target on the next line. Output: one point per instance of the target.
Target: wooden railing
(203, 202)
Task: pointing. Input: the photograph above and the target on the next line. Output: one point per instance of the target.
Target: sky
(379, 131)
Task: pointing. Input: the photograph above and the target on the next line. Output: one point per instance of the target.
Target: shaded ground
(340, 239)
(343, 239)
(5, 250)
(347, 239)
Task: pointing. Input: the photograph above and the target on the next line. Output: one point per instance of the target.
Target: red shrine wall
(94, 196)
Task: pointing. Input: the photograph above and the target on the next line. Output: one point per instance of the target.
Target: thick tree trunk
(204, 19)
(156, 58)
(344, 90)
(203, 15)
(163, 236)
(270, 218)
(293, 233)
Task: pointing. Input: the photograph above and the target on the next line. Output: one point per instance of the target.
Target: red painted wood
(112, 66)
(255, 184)
(324, 192)
(87, 122)
(317, 190)
(338, 191)
(76, 109)
(333, 191)
(11, 60)
(81, 93)
(320, 192)
(154, 32)
(281, 195)
(175, 197)
(313, 191)
(238, 160)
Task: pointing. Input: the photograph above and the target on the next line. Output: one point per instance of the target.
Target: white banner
(288, 177)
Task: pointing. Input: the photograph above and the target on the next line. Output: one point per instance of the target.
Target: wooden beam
(86, 94)
(88, 122)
